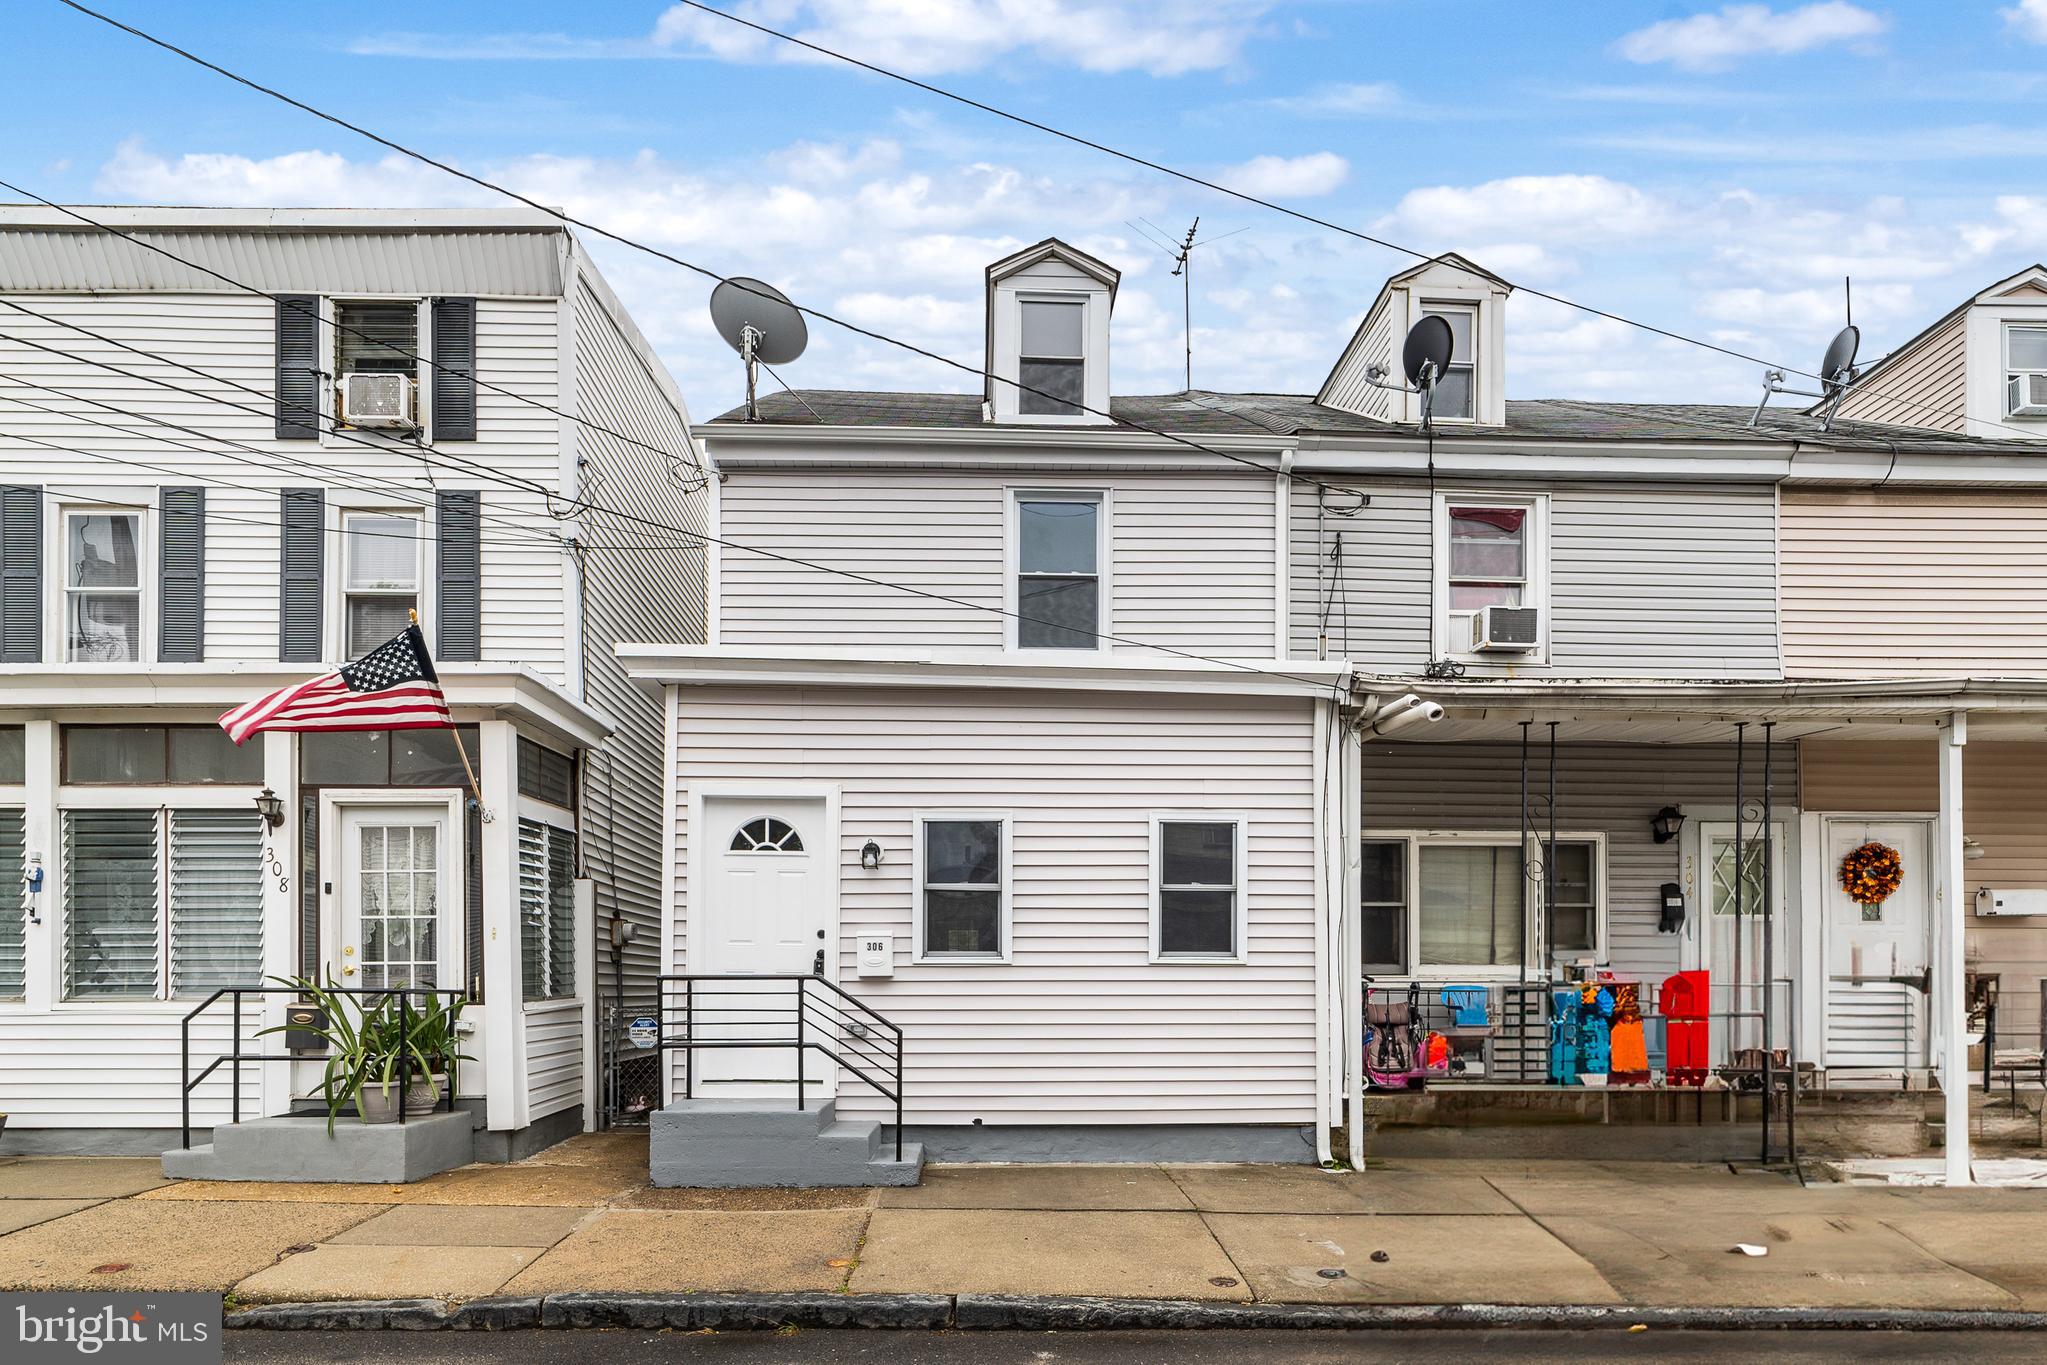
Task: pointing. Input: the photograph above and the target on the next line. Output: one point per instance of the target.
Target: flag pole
(475, 787)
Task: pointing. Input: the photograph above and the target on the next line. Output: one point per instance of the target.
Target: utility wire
(619, 238)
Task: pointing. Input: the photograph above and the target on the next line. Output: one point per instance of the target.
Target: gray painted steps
(727, 1144)
(299, 1148)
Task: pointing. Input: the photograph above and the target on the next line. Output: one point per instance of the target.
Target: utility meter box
(876, 955)
(2030, 901)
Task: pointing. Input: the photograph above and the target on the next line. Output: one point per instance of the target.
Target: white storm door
(1728, 933)
(397, 907)
(762, 911)
(1875, 1019)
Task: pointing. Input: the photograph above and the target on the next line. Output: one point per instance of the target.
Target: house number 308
(275, 866)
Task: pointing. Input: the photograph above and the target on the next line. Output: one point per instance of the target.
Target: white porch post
(504, 1039)
(1948, 1007)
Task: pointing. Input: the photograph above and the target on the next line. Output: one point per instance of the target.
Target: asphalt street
(1102, 1348)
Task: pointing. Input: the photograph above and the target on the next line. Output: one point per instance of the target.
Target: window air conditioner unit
(380, 400)
(1506, 629)
(2027, 391)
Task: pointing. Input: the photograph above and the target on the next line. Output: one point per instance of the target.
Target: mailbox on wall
(876, 955)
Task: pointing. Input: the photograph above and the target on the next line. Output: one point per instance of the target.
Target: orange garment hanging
(1630, 1051)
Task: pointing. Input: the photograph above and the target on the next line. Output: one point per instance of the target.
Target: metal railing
(800, 1012)
(237, 1056)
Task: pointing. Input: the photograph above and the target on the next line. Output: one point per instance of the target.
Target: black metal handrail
(821, 1017)
(236, 1056)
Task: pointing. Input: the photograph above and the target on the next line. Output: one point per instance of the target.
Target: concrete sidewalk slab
(79, 1177)
(1138, 1187)
(993, 1251)
(526, 1183)
(621, 1149)
(2003, 1248)
(1306, 1189)
(165, 1246)
(278, 1191)
(16, 1214)
(1814, 1259)
(330, 1272)
(443, 1225)
(1693, 1193)
(651, 1252)
(1429, 1259)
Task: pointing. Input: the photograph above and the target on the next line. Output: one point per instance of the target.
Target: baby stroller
(1394, 1046)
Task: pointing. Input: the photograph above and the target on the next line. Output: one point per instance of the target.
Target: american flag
(392, 687)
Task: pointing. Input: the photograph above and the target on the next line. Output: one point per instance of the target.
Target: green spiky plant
(370, 1041)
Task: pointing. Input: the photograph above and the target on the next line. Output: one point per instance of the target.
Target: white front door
(397, 912)
(1876, 1016)
(1726, 935)
(763, 909)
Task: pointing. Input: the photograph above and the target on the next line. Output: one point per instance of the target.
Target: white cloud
(1458, 217)
(1284, 177)
(1707, 42)
(924, 37)
(2029, 19)
(1340, 101)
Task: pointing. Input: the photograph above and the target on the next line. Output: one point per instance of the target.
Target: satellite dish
(1839, 365)
(740, 304)
(1429, 343)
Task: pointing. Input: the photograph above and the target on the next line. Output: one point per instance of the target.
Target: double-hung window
(381, 554)
(1491, 556)
(1052, 358)
(1059, 553)
(161, 902)
(1198, 888)
(963, 889)
(103, 585)
(1473, 903)
(1457, 386)
(2025, 371)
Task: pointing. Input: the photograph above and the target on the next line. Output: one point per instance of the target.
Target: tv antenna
(1424, 357)
(1182, 253)
(758, 321)
(1837, 370)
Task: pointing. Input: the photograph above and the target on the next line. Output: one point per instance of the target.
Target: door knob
(348, 971)
(817, 964)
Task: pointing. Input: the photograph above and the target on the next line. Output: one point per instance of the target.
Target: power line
(622, 240)
(286, 301)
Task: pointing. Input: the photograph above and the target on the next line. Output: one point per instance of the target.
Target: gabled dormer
(1980, 371)
(1048, 336)
(1474, 302)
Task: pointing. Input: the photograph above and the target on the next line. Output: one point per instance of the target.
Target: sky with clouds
(1713, 170)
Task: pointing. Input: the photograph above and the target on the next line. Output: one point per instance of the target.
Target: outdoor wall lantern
(870, 855)
(1666, 823)
(270, 806)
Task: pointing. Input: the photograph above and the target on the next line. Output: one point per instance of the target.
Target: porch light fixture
(1665, 824)
(271, 807)
(870, 855)
(1972, 849)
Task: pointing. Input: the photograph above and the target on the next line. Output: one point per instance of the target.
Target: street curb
(1016, 1312)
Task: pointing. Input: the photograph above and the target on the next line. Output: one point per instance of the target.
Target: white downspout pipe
(1948, 1006)
(1328, 952)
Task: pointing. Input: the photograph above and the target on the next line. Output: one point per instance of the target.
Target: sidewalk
(581, 1217)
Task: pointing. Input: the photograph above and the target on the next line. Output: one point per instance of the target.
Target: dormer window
(1052, 357)
(2025, 371)
(1457, 389)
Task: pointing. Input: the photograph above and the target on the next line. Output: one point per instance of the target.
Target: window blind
(12, 948)
(110, 899)
(216, 900)
(547, 912)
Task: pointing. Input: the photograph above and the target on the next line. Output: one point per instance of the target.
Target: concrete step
(720, 1145)
(299, 1148)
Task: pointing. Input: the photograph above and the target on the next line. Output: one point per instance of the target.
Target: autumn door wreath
(1872, 873)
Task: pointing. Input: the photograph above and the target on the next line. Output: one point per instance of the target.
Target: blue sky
(1711, 169)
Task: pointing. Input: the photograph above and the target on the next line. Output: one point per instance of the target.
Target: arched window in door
(767, 835)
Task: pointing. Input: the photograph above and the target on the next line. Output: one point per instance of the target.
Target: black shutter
(454, 415)
(21, 575)
(458, 604)
(310, 965)
(181, 576)
(302, 517)
(298, 367)
(472, 899)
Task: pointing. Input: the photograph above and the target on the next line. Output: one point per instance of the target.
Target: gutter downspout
(1350, 996)
(1327, 944)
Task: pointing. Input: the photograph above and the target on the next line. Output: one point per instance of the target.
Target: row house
(240, 448)
(1104, 748)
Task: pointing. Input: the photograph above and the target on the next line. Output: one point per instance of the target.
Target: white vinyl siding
(1080, 1025)
(1932, 584)
(1190, 558)
(1662, 580)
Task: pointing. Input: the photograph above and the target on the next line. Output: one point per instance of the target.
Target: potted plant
(372, 1043)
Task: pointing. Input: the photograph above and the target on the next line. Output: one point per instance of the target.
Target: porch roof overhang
(1673, 711)
(475, 691)
(1051, 670)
